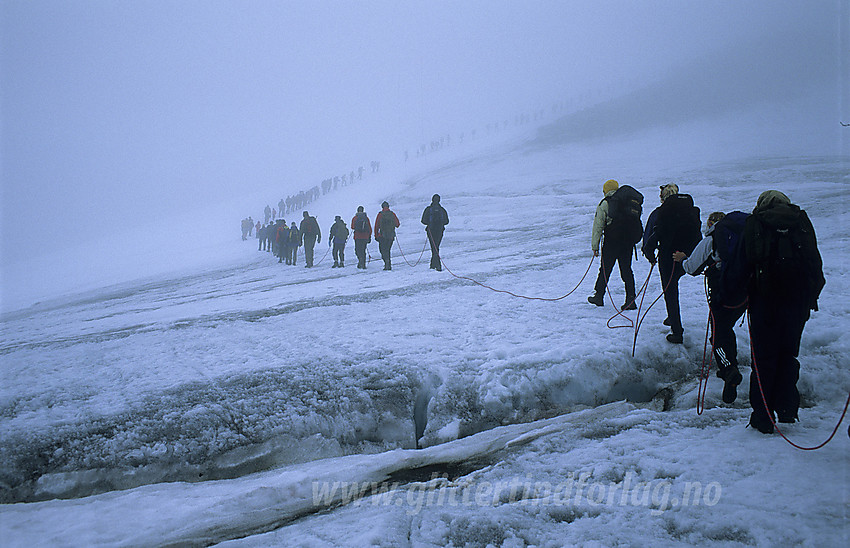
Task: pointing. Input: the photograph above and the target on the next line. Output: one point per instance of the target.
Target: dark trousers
(621, 253)
(775, 332)
(723, 340)
(360, 251)
(339, 252)
(670, 273)
(435, 237)
(309, 244)
(385, 245)
(293, 254)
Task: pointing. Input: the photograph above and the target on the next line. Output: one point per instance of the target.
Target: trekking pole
(702, 389)
(705, 367)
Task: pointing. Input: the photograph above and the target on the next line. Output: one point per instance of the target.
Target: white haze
(131, 130)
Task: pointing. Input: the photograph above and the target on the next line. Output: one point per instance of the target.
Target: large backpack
(294, 237)
(781, 245)
(625, 207)
(311, 227)
(724, 242)
(340, 231)
(678, 224)
(436, 218)
(727, 233)
(388, 224)
(282, 234)
(361, 223)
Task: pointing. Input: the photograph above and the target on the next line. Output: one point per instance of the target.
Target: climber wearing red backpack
(362, 228)
(385, 224)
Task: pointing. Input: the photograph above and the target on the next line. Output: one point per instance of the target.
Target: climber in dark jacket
(435, 218)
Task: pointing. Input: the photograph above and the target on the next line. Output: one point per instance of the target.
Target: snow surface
(201, 404)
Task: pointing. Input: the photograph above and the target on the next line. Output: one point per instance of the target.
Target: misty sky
(118, 112)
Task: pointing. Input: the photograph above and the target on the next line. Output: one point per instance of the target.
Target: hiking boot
(597, 299)
(732, 378)
(666, 322)
(761, 423)
(629, 304)
(787, 417)
(335, 265)
(675, 338)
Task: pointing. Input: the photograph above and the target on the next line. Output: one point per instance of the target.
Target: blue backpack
(727, 233)
(724, 241)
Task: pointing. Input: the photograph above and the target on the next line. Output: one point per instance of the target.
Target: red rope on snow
(703, 370)
(424, 247)
(323, 257)
(514, 294)
(642, 318)
(767, 407)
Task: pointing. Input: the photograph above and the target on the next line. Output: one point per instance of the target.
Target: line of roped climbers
(444, 141)
(301, 199)
(766, 264)
(298, 201)
(283, 241)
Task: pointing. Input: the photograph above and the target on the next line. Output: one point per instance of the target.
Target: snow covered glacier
(211, 376)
